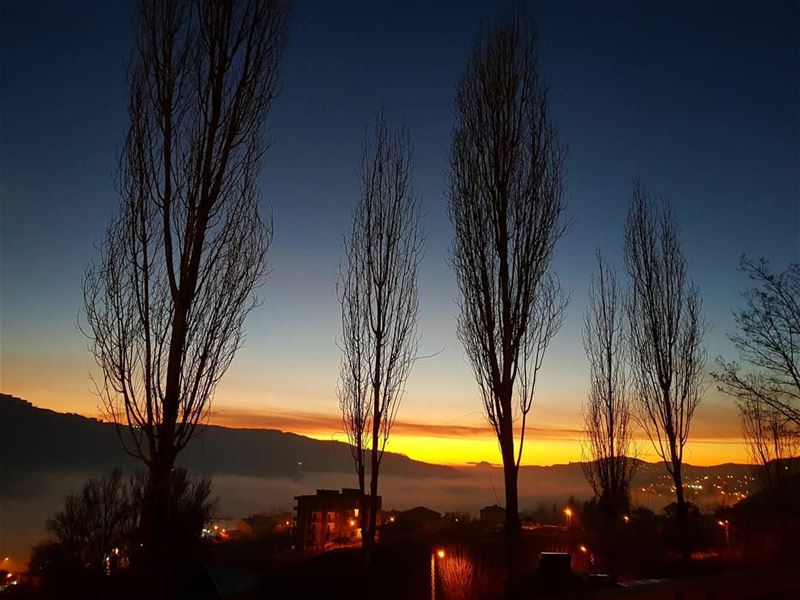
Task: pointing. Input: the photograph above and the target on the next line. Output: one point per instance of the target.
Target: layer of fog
(25, 506)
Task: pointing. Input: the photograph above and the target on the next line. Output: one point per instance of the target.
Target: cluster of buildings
(336, 518)
(333, 518)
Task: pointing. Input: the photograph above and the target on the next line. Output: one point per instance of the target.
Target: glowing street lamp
(568, 513)
(626, 519)
(441, 554)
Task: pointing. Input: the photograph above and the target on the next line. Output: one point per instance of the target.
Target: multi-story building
(331, 518)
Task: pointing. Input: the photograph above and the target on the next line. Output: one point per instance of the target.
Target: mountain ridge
(40, 438)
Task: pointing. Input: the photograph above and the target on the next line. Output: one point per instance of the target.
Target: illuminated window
(355, 512)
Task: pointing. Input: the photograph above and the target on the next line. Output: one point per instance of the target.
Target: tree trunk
(156, 524)
(683, 514)
(372, 522)
(512, 528)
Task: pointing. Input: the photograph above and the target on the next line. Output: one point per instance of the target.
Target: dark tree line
(98, 532)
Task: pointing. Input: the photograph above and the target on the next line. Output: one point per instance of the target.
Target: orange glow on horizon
(445, 443)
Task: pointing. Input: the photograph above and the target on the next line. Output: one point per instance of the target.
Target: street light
(568, 512)
(626, 518)
(441, 554)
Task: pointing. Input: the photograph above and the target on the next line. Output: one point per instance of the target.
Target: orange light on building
(352, 522)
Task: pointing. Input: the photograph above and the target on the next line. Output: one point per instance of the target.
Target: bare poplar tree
(665, 331)
(772, 442)
(768, 341)
(380, 303)
(167, 299)
(608, 465)
(608, 447)
(506, 202)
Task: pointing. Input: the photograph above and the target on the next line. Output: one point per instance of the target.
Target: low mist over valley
(46, 454)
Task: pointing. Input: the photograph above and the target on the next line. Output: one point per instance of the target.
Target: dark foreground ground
(764, 583)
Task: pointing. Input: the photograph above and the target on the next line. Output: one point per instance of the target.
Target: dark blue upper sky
(699, 99)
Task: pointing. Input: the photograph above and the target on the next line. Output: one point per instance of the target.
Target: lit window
(355, 512)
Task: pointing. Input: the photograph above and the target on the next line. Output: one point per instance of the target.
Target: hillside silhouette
(37, 439)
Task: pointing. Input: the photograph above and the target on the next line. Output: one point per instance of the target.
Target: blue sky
(699, 99)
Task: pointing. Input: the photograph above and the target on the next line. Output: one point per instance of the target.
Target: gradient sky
(699, 99)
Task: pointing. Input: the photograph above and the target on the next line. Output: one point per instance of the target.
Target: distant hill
(36, 439)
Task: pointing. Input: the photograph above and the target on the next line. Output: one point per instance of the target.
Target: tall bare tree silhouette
(167, 298)
(380, 303)
(506, 202)
(665, 334)
(608, 441)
